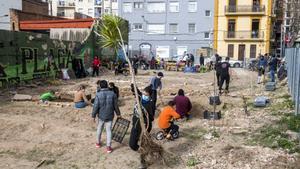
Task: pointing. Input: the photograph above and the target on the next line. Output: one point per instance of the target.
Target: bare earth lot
(65, 137)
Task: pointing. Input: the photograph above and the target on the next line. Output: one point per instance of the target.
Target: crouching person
(80, 99)
(105, 105)
(147, 113)
(49, 96)
(183, 104)
(165, 119)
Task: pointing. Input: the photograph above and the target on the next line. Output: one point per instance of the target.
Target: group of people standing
(189, 59)
(105, 107)
(263, 63)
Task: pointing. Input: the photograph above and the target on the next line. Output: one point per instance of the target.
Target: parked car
(236, 63)
(233, 63)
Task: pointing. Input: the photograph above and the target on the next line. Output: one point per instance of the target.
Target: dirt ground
(64, 137)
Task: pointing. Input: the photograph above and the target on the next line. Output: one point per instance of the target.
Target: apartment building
(91, 8)
(168, 28)
(110, 7)
(277, 31)
(62, 8)
(242, 28)
(291, 22)
(69, 8)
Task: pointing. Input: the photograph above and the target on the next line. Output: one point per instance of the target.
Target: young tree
(112, 31)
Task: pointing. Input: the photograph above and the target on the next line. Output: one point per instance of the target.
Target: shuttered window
(230, 50)
(252, 51)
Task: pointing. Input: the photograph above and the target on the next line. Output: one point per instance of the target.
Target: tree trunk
(142, 121)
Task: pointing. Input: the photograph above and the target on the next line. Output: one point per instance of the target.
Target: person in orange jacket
(165, 119)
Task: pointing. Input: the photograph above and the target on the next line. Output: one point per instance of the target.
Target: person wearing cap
(156, 85)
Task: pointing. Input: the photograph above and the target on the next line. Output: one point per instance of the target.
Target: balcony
(61, 14)
(63, 4)
(245, 10)
(244, 35)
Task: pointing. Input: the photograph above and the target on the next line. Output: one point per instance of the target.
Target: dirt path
(65, 137)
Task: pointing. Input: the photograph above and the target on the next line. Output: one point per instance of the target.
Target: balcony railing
(64, 4)
(60, 14)
(244, 35)
(240, 9)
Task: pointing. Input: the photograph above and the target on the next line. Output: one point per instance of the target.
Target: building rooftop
(48, 24)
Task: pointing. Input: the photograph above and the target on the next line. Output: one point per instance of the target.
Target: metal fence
(293, 69)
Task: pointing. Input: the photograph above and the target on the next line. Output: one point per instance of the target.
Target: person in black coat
(218, 68)
(148, 115)
(201, 60)
(114, 88)
(147, 112)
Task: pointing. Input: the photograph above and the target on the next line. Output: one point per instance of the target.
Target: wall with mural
(26, 56)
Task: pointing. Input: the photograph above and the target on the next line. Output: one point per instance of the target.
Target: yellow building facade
(242, 28)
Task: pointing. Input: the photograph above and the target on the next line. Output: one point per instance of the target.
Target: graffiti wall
(26, 56)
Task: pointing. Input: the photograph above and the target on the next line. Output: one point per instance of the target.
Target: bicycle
(162, 134)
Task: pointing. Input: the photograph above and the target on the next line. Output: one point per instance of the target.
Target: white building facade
(91, 8)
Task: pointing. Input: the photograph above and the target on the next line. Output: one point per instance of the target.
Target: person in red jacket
(96, 65)
(183, 104)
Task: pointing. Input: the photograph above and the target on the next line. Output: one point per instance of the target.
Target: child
(147, 113)
(165, 118)
(113, 88)
(49, 96)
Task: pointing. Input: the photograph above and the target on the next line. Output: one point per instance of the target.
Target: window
(231, 28)
(181, 50)
(206, 35)
(138, 5)
(90, 11)
(173, 28)
(156, 7)
(60, 13)
(61, 2)
(137, 27)
(127, 7)
(252, 51)
(287, 29)
(80, 10)
(97, 2)
(288, 22)
(192, 6)
(97, 12)
(174, 7)
(80, 0)
(192, 28)
(207, 13)
(163, 51)
(156, 28)
(230, 50)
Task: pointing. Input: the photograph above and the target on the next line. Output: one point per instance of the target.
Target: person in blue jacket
(262, 64)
